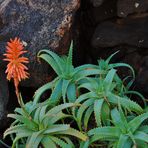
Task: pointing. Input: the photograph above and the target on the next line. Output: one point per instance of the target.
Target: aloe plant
(87, 91)
(122, 89)
(43, 127)
(68, 77)
(106, 65)
(123, 133)
(102, 96)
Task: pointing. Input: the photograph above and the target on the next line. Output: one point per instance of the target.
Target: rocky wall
(106, 26)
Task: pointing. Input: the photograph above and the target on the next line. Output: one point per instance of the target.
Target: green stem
(21, 103)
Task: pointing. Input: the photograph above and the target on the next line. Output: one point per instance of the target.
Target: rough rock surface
(106, 10)
(142, 75)
(140, 64)
(97, 3)
(41, 24)
(129, 31)
(4, 96)
(126, 7)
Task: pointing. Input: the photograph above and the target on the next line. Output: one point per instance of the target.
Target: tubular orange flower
(16, 70)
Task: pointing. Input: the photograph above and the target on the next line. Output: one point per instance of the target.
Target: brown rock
(105, 11)
(4, 96)
(130, 31)
(41, 24)
(97, 3)
(126, 7)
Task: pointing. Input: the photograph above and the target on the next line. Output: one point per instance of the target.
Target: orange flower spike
(16, 70)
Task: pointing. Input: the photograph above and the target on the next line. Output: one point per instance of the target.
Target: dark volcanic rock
(139, 62)
(105, 11)
(4, 95)
(130, 31)
(142, 75)
(126, 7)
(41, 24)
(97, 3)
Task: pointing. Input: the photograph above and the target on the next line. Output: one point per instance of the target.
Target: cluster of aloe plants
(89, 106)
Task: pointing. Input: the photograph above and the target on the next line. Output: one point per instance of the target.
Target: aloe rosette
(43, 127)
(68, 77)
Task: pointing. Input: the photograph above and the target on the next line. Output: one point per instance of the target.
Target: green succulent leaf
(60, 142)
(65, 85)
(46, 142)
(47, 55)
(29, 122)
(87, 72)
(51, 62)
(137, 121)
(105, 113)
(144, 128)
(57, 117)
(138, 94)
(125, 103)
(87, 115)
(119, 120)
(142, 136)
(69, 59)
(105, 131)
(104, 134)
(123, 65)
(58, 108)
(53, 129)
(56, 93)
(37, 115)
(42, 113)
(110, 57)
(41, 90)
(71, 92)
(85, 67)
(75, 133)
(84, 144)
(17, 129)
(124, 142)
(68, 141)
(109, 79)
(35, 139)
(81, 111)
(20, 136)
(97, 111)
